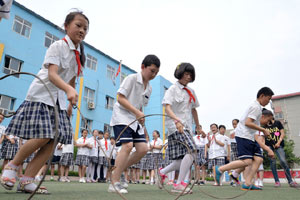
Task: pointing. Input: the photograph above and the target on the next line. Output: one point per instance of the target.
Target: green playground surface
(89, 191)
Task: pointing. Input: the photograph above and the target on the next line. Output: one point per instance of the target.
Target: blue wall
(32, 51)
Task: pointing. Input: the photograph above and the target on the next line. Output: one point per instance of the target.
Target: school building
(24, 39)
(287, 110)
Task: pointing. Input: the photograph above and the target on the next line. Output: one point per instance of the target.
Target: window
(89, 94)
(279, 115)
(6, 104)
(91, 62)
(123, 76)
(110, 72)
(49, 39)
(22, 26)
(12, 65)
(108, 128)
(88, 124)
(109, 103)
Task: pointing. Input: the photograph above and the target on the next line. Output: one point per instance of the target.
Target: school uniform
(114, 151)
(181, 104)
(233, 148)
(200, 144)
(167, 160)
(216, 152)
(35, 118)
(2, 132)
(94, 151)
(133, 89)
(57, 155)
(82, 157)
(147, 160)
(261, 166)
(226, 144)
(157, 154)
(9, 150)
(5, 6)
(246, 145)
(67, 157)
(104, 152)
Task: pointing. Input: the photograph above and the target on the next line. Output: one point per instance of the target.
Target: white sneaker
(256, 182)
(83, 180)
(80, 180)
(124, 184)
(260, 183)
(117, 187)
(63, 179)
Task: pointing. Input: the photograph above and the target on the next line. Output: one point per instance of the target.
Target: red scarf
(154, 142)
(198, 136)
(83, 140)
(190, 94)
(77, 58)
(95, 142)
(106, 144)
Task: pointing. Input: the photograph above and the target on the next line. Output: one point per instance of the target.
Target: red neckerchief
(106, 147)
(83, 140)
(198, 136)
(77, 58)
(190, 94)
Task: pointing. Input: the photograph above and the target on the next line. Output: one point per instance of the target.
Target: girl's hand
(12, 141)
(179, 126)
(277, 145)
(140, 115)
(72, 96)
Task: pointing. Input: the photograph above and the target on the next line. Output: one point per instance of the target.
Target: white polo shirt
(232, 140)
(68, 148)
(5, 9)
(83, 150)
(216, 150)
(179, 99)
(157, 143)
(57, 152)
(104, 150)
(114, 151)
(133, 89)
(254, 111)
(94, 143)
(200, 141)
(227, 143)
(61, 54)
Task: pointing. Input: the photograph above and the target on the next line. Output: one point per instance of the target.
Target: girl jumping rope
(34, 119)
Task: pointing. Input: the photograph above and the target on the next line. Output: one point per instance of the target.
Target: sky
(236, 46)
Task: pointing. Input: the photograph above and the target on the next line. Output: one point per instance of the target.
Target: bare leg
(80, 171)
(248, 178)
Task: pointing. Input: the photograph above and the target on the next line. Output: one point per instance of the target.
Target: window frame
(112, 70)
(87, 97)
(23, 24)
(11, 70)
(108, 105)
(91, 60)
(11, 106)
(52, 38)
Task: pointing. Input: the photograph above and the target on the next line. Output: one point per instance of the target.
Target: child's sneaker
(218, 175)
(179, 188)
(162, 179)
(277, 184)
(68, 180)
(251, 187)
(124, 184)
(236, 179)
(51, 178)
(117, 187)
(260, 183)
(294, 185)
(9, 175)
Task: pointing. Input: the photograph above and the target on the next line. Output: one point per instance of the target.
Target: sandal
(21, 188)
(6, 182)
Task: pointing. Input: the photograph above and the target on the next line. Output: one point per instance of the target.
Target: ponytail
(82, 55)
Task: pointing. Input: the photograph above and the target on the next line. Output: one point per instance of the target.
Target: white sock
(104, 171)
(236, 175)
(185, 166)
(175, 165)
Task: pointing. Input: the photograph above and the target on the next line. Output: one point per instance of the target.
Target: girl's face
(234, 123)
(84, 133)
(95, 133)
(77, 29)
(112, 141)
(214, 129)
(149, 72)
(154, 135)
(186, 78)
(106, 135)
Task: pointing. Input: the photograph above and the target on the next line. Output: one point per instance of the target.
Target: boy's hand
(179, 126)
(266, 133)
(140, 115)
(72, 96)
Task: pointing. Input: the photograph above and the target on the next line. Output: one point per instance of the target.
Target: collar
(71, 44)
(140, 80)
(179, 85)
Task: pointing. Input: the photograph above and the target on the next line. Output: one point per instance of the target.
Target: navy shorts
(247, 149)
(128, 135)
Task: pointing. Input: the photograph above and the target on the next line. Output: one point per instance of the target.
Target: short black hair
(222, 126)
(267, 112)
(236, 120)
(214, 124)
(184, 67)
(157, 132)
(112, 138)
(84, 130)
(100, 132)
(265, 91)
(151, 59)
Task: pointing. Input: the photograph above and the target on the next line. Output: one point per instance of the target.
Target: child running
(249, 151)
(180, 102)
(34, 117)
(133, 95)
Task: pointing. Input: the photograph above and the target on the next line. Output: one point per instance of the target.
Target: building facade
(24, 39)
(287, 110)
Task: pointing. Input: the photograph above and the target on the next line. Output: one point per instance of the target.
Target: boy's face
(234, 123)
(265, 119)
(222, 130)
(112, 141)
(149, 72)
(264, 100)
(101, 136)
(214, 129)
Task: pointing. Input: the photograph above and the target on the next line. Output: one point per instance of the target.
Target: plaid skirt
(167, 160)
(136, 165)
(234, 153)
(94, 159)
(216, 161)
(146, 162)
(37, 120)
(9, 150)
(66, 159)
(201, 156)
(103, 161)
(82, 160)
(178, 143)
(157, 160)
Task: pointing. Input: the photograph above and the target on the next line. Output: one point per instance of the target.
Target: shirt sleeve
(254, 112)
(169, 96)
(279, 125)
(127, 85)
(196, 103)
(52, 55)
